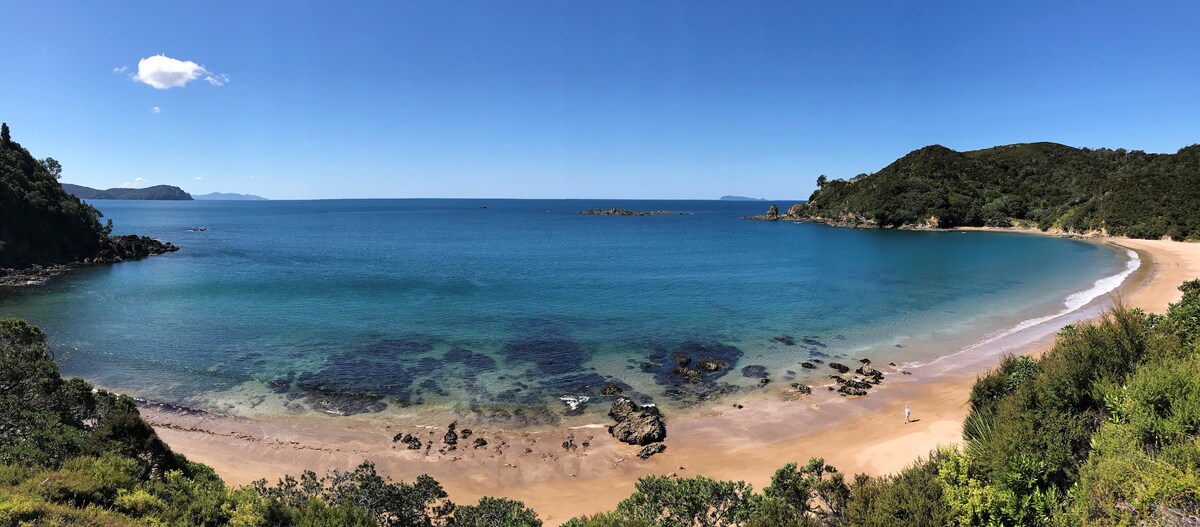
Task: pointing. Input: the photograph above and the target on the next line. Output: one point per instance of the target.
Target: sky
(580, 98)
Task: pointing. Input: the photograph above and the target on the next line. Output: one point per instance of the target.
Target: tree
(821, 180)
(52, 166)
(5, 136)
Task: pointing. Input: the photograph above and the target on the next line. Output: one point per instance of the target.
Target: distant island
(1047, 186)
(156, 192)
(740, 198)
(228, 196)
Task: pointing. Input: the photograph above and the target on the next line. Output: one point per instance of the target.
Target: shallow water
(359, 305)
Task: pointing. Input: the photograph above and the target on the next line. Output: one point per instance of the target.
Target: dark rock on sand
(801, 388)
(480, 442)
(808, 365)
(408, 439)
(451, 437)
(636, 425)
(847, 390)
(841, 368)
(650, 450)
(861, 385)
(873, 375)
(465, 433)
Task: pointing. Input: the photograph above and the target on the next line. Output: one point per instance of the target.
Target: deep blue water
(442, 302)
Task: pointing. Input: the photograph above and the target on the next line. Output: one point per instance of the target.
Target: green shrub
(495, 512)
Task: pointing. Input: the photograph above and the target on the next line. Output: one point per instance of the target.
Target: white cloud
(121, 69)
(217, 80)
(199, 178)
(137, 182)
(156, 109)
(163, 72)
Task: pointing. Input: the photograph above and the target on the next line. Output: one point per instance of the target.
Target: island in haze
(1048, 186)
(227, 196)
(156, 192)
(740, 198)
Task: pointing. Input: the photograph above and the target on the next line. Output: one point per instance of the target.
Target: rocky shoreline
(799, 213)
(114, 249)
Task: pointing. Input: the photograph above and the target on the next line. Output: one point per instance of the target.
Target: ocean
(499, 308)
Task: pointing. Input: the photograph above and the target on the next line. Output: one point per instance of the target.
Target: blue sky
(574, 99)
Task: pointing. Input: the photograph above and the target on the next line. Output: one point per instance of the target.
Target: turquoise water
(361, 305)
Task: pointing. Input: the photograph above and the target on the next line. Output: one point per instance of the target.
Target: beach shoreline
(856, 435)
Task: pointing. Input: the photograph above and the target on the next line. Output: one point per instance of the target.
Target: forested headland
(1044, 185)
(42, 225)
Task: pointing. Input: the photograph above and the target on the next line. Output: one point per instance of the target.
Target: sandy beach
(856, 435)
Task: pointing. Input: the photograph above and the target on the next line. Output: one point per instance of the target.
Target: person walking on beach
(907, 412)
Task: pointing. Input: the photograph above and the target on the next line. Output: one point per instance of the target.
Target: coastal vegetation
(41, 224)
(1044, 185)
(1103, 429)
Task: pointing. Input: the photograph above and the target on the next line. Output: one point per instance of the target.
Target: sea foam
(1073, 302)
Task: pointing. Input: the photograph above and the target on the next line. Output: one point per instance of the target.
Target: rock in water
(131, 247)
(636, 425)
(611, 389)
(650, 450)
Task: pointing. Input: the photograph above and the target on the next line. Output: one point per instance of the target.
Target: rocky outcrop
(130, 247)
(611, 389)
(112, 250)
(797, 212)
(636, 425)
(650, 450)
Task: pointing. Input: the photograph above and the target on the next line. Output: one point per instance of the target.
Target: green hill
(41, 224)
(156, 192)
(1047, 185)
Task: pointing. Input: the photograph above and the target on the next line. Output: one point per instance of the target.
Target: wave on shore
(1073, 303)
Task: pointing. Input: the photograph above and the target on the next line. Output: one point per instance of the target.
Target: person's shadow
(914, 420)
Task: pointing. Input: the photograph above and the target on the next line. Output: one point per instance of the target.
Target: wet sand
(865, 434)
